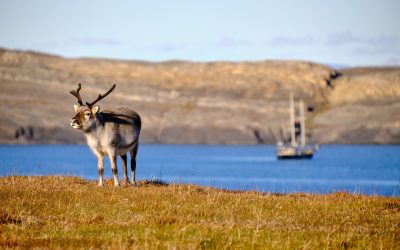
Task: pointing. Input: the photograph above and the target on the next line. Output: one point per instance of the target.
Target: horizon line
(105, 58)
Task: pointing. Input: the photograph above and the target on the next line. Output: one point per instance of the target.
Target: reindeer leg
(125, 168)
(114, 169)
(100, 167)
(133, 162)
(100, 170)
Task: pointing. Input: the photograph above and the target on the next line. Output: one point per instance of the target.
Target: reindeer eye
(87, 114)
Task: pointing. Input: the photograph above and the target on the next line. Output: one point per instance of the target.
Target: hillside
(189, 102)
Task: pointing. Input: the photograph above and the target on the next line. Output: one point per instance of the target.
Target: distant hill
(187, 102)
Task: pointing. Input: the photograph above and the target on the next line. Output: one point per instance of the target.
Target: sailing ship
(295, 149)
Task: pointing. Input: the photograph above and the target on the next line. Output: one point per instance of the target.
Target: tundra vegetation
(70, 212)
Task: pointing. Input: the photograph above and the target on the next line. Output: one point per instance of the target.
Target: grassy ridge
(72, 212)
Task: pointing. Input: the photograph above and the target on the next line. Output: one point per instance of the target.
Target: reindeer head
(85, 115)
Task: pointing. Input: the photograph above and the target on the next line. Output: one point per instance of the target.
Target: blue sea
(359, 169)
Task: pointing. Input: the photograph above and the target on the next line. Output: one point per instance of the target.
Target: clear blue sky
(352, 32)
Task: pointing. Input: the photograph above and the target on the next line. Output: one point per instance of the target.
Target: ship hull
(294, 153)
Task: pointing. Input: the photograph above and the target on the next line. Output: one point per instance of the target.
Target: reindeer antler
(77, 95)
(101, 96)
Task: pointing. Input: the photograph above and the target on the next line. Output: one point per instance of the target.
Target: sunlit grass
(70, 212)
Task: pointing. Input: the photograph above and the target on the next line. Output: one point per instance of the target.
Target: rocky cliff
(188, 102)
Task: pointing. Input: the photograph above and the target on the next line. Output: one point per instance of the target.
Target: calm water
(355, 169)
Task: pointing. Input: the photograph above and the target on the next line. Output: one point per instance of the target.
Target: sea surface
(360, 169)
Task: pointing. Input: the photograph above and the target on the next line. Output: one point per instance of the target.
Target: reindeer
(108, 133)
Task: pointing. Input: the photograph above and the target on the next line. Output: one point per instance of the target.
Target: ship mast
(292, 125)
(302, 124)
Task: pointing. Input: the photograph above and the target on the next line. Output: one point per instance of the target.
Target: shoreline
(201, 144)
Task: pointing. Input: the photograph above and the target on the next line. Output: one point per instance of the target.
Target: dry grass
(69, 212)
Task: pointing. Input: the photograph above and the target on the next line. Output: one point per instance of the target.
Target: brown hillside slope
(187, 102)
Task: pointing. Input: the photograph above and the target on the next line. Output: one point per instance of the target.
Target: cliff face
(187, 102)
(364, 107)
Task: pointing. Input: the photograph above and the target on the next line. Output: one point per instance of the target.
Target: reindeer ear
(76, 107)
(95, 109)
